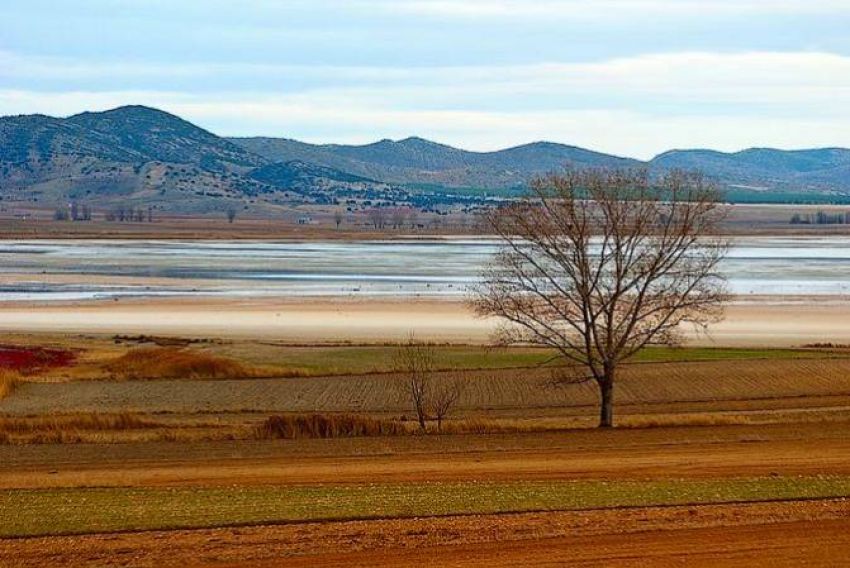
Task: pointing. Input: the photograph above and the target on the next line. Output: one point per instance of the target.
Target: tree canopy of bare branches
(598, 264)
(417, 361)
(431, 395)
(377, 217)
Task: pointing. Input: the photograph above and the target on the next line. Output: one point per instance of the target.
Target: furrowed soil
(690, 385)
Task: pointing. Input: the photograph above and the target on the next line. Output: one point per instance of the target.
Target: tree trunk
(606, 408)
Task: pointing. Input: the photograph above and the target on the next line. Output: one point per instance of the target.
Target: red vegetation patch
(21, 358)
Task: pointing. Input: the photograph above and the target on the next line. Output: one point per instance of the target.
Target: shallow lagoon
(71, 270)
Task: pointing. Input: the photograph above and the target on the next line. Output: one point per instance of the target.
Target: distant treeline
(81, 212)
(129, 214)
(73, 212)
(820, 218)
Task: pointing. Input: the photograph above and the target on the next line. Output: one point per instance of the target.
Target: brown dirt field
(784, 533)
(803, 404)
(776, 534)
(691, 385)
(822, 543)
(706, 452)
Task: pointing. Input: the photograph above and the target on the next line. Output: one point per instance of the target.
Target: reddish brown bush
(22, 358)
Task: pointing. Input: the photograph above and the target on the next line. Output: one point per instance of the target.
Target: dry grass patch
(8, 381)
(80, 421)
(175, 363)
(69, 428)
(115, 428)
(327, 426)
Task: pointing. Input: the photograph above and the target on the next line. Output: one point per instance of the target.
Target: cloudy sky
(631, 77)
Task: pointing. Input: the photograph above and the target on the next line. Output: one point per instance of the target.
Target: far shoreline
(781, 321)
(745, 219)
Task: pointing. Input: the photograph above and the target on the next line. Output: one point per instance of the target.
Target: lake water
(68, 270)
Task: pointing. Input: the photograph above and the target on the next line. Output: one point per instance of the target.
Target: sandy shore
(756, 322)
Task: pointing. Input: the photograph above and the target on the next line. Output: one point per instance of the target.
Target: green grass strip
(88, 510)
(345, 360)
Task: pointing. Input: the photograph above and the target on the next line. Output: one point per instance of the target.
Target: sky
(628, 77)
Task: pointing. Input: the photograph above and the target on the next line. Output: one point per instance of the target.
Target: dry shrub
(326, 426)
(28, 357)
(174, 363)
(8, 381)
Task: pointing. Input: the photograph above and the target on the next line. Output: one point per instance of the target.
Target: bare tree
(377, 217)
(432, 396)
(599, 264)
(417, 361)
(398, 217)
(445, 393)
(60, 214)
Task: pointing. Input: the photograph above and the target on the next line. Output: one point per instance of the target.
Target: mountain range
(140, 154)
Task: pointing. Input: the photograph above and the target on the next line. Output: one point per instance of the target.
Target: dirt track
(800, 449)
(783, 533)
(821, 543)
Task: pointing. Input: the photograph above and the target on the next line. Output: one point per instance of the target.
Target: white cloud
(754, 77)
(609, 9)
(634, 106)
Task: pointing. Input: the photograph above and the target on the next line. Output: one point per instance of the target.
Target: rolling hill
(767, 168)
(139, 154)
(419, 161)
